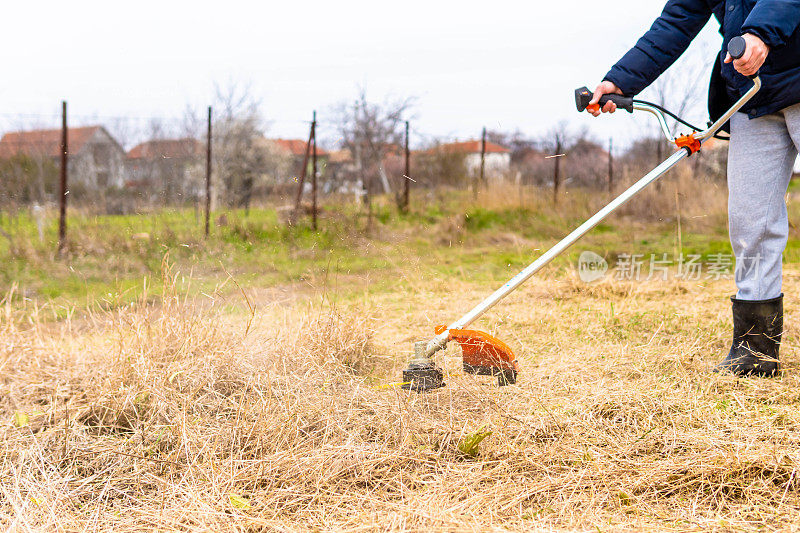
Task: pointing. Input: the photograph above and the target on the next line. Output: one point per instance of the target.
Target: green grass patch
(448, 236)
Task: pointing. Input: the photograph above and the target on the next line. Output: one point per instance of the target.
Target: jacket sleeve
(773, 21)
(664, 42)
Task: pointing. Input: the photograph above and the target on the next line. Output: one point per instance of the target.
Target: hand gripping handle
(583, 96)
(736, 48)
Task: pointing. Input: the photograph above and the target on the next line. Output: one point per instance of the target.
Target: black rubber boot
(757, 330)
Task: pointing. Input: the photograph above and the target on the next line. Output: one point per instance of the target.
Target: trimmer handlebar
(736, 48)
(583, 96)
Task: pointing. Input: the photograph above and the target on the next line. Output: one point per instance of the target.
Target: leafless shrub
(240, 163)
(438, 167)
(370, 131)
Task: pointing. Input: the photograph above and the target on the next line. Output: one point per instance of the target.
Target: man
(765, 138)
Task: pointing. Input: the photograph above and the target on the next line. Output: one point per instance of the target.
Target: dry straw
(165, 415)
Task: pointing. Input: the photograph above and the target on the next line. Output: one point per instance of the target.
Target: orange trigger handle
(689, 142)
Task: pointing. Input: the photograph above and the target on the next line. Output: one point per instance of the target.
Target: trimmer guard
(483, 354)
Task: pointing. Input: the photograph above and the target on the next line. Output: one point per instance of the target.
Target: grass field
(249, 382)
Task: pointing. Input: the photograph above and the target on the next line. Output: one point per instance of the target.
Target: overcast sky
(504, 65)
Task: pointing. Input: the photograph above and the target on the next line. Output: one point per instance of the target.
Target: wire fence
(197, 163)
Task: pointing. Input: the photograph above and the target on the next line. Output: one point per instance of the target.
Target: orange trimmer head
(483, 354)
(480, 352)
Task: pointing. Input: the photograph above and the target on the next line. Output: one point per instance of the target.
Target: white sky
(506, 65)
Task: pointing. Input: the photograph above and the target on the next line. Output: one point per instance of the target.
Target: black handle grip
(583, 96)
(737, 47)
(623, 102)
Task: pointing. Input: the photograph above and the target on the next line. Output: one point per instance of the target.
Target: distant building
(172, 169)
(295, 150)
(346, 174)
(95, 157)
(342, 157)
(343, 175)
(497, 159)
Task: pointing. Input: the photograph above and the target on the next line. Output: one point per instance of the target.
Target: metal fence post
(208, 174)
(62, 218)
(314, 173)
(407, 175)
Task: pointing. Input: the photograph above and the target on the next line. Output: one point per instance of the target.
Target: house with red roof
(167, 149)
(497, 159)
(293, 152)
(169, 169)
(296, 148)
(96, 159)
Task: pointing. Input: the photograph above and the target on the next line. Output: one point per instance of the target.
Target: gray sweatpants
(761, 154)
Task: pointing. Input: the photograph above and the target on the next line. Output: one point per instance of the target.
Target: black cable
(679, 119)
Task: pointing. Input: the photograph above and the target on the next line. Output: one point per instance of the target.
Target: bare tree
(194, 125)
(369, 131)
(679, 90)
(557, 142)
(239, 161)
(439, 167)
(516, 141)
(587, 162)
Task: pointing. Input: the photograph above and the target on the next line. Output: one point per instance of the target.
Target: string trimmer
(484, 354)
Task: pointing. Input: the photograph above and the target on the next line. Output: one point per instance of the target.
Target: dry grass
(167, 415)
(680, 198)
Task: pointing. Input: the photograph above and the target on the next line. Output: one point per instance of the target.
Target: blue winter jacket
(774, 21)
